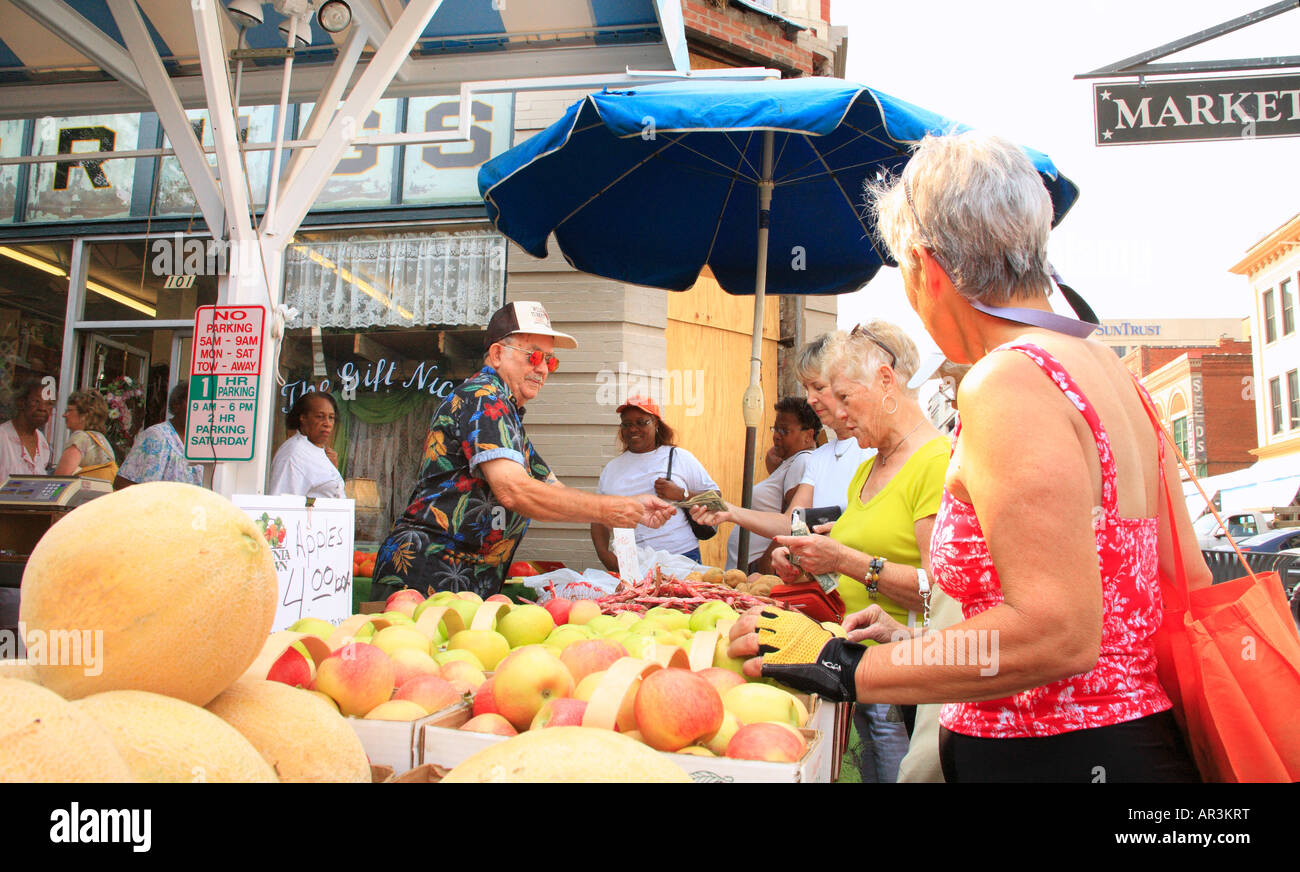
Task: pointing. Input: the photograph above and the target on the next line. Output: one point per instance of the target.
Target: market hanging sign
(224, 371)
(1197, 110)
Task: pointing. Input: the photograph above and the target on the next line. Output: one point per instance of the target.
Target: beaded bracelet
(873, 575)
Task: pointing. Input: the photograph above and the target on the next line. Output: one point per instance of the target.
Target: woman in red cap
(651, 462)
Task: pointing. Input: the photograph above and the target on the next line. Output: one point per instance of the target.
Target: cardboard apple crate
(724, 770)
(395, 743)
(444, 744)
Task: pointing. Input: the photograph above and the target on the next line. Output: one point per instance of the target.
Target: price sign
(312, 548)
(224, 370)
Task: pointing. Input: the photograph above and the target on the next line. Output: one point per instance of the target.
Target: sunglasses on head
(859, 330)
(536, 357)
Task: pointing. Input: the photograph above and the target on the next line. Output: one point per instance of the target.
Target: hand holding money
(710, 500)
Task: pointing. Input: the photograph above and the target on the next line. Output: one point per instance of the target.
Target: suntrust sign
(1128, 328)
(1195, 110)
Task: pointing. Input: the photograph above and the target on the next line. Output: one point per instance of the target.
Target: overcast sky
(1156, 227)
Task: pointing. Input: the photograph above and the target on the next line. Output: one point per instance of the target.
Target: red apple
(559, 608)
(497, 598)
(404, 601)
(675, 708)
(722, 680)
(291, 668)
(594, 655)
(429, 691)
(465, 677)
(525, 680)
(483, 702)
(774, 743)
(357, 676)
(489, 723)
(408, 663)
(559, 712)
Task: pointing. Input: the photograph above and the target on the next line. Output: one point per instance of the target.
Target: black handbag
(701, 531)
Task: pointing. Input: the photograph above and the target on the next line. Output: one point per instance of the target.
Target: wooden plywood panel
(709, 331)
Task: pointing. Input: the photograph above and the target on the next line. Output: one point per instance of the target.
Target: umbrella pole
(752, 403)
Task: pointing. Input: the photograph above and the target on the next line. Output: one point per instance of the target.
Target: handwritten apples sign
(312, 549)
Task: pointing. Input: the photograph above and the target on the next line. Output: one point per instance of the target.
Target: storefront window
(398, 321)
(33, 305)
(163, 279)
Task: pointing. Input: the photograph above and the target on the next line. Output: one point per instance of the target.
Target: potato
(693, 577)
(714, 575)
(734, 577)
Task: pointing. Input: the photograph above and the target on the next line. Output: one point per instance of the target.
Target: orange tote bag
(1229, 658)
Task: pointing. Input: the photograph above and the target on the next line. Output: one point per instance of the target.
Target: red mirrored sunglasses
(536, 357)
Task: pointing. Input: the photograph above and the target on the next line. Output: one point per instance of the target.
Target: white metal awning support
(60, 18)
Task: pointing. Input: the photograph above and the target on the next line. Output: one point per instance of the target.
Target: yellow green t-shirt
(885, 526)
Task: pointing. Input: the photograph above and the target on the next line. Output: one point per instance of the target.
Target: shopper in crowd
(880, 545)
(651, 462)
(88, 452)
(829, 469)
(305, 464)
(482, 480)
(1049, 532)
(23, 447)
(159, 453)
(793, 437)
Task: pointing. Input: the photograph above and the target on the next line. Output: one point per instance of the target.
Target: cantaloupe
(567, 754)
(179, 581)
(43, 737)
(19, 669)
(303, 737)
(164, 739)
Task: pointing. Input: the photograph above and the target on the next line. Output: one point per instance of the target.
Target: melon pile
(173, 590)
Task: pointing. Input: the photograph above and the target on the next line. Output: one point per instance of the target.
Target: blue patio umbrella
(760, 181)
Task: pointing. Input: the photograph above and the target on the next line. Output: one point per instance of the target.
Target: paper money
(828, 581)
(711, 500)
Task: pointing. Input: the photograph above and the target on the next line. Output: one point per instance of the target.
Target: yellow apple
(488, 646)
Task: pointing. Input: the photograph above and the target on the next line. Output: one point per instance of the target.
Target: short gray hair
(978, 204)
(860, 354)
(808, 365)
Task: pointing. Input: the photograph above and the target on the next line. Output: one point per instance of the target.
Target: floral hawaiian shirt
(455, 535)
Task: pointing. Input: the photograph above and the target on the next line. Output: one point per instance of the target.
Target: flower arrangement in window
(125, 397)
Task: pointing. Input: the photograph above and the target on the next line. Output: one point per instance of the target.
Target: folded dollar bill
(711, 500)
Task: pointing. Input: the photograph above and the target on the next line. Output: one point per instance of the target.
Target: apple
(675, 708)
(409, 662)
(603, 625)
(526, 625)
(442, 658)
(722, 680)
(463, 676)
(627, 618)
(774, 743)
(672, 619)
(465, 608)
(390, 639)
(443, 597)
(697, 750)
(591, 655)
(724, 661)
(497, 598)
(470, 596)
(640, 647)
(752, 702)
(315, 626)
(357, 677)
(559, 712)
(292, 668)
(564, 636)
(490, 723)
(583, 611)
(483, 700)
(326, 697)
(706, 616)
(489, 646)
(394, 618)
(559, 608)
(526, 680)
(396, 710)
(404, 601)
(430, 692)
(717, 743)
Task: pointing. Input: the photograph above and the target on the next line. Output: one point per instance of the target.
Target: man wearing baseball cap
(481, 480)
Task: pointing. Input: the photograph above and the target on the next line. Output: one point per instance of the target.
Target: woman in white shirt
(643, 467)
(304, 464)
(793, 438)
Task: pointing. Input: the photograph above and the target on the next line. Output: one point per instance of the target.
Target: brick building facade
(1204, 397)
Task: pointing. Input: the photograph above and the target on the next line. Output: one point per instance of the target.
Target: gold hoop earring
(893, 410)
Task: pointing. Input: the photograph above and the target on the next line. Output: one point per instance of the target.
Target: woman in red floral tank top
(1049, 532)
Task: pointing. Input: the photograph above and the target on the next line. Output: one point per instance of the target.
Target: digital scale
(36, 491)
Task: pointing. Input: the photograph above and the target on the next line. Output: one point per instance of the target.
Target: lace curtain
(396, 280)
